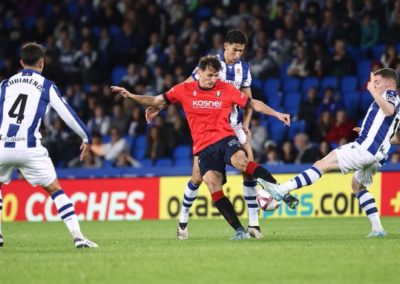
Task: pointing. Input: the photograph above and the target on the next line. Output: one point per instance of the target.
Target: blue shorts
(216, 156)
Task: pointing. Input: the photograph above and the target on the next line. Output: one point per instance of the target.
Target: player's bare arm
(396, 137)
(247, 114)
(376, 86)
(151, 112)
(157, 101)
(259, 106)
(85, 148)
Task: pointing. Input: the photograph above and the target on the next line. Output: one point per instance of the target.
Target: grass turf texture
(294, 251)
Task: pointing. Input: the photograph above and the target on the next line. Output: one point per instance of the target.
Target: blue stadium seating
(183, 162)
(291, 84)
(365, 100)
(182, 152)
(296, 127)
(329, 81)
(351, 102)
(277, 130)
(348, 84)
(378, 50)
(146, 162)
(140, 141)
(363, 70)
(164, 162)
(274, 100)
(117, 74)
(309, 82)
(291, 102)
(271, 86)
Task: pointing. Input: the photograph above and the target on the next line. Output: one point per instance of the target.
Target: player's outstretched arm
(259, 106)
(385, 106)
(157, 101)
(85, 148)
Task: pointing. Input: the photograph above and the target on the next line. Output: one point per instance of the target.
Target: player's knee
(196, 180)
(320, 165)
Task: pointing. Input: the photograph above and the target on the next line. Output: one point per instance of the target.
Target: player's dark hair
(235, 36)
(31, 53)
(388, 73)
(209, 61)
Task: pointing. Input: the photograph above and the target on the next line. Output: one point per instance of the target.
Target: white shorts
(352, 157)
(34, 164)
(239, 132)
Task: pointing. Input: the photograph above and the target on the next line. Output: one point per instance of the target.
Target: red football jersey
(207, 110)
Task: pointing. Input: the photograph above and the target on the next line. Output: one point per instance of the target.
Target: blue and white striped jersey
(237, 74)
(377, 128)
(24, 100)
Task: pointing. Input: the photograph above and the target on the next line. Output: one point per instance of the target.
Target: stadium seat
(138, 152)
(283, 70)
(117, 74)
(146, 163)
(277, 131)
(329, 81)
(257, 84)
(140, 141)
(291, 84)
(271, 86)
(274, 99)
(366, 100)
(351, 102)
(182, 152)
(309, 82)
(378, 50)
(298, 126)
(348, 84)
(291, 102)
(183, 162)
(363, 70)
(164, 162)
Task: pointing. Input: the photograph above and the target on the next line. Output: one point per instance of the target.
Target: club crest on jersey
(194, 93)
(218, 93)
(237, 70)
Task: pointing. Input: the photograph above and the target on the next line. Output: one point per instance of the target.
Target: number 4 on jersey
(21, 99)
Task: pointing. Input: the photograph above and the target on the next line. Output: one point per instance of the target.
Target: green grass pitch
(294, 251)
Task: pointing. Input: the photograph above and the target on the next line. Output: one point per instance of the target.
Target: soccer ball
(265, 201)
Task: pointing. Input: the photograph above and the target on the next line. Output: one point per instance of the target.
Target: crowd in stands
(308, 58)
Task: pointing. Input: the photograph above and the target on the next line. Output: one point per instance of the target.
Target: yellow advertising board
(329, 197)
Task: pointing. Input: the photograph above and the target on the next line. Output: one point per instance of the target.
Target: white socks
(250, 193)
(368, 205)
(67, 213)
(190, 194)
(305, 178)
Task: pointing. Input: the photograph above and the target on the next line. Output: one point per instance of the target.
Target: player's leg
(240, 162)
(39, 170)
(362, 179)
(214, 181)
(7, 160)
(307, 177)
(189, 196)
(250, 193)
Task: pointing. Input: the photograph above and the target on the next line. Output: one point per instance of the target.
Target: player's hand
(122, 91)
(85, 148)
(248, 133)
(357, 130)
(150, 113)
(284, 117)
(370, 84)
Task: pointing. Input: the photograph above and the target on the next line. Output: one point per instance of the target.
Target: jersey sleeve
(239, 98)
(174, 95)
(246, 82)
(195, 74)
(68, 115)
(392, 98)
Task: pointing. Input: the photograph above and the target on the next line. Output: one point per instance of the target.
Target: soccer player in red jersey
(207, 104)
